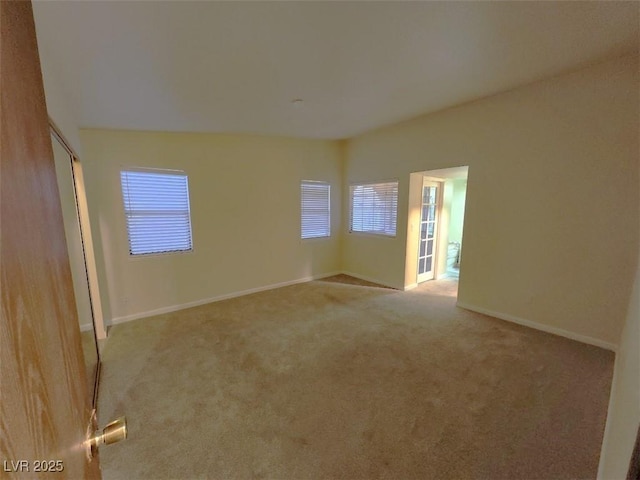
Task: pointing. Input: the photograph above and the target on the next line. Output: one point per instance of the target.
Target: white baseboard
(370, 279)
(226, 296)
(539, 326)
(86, 327)
(410, 286)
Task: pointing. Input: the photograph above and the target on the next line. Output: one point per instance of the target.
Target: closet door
(64, 160)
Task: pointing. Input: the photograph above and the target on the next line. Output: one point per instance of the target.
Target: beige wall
(245, 210)
(551, 222)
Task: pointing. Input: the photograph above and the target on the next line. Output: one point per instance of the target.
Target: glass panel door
(428, 231)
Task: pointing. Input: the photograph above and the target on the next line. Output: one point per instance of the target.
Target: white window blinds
(374, 208)
(315, 209)
(156, 205)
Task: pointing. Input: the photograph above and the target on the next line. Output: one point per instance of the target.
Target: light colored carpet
(331, 379)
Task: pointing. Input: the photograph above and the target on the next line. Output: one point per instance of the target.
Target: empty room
(290, 240)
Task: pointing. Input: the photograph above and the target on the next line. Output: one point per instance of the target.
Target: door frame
(442, 175)
(87, 250)
(85, 232)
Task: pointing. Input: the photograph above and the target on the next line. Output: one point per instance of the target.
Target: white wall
(551, 222)
(58, 106)
(623, 418)
(443, 234)
(456, 220)
(245, 210)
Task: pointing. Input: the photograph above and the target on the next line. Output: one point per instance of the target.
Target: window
(374, 208)
(156, 204)
(315, 209)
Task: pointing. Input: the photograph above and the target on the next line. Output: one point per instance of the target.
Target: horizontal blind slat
(315, 215)
(157, 211)
(374, 208)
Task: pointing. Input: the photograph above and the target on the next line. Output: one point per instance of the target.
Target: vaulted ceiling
(238, 66)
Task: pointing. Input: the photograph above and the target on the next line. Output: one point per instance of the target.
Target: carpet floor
(342, 379)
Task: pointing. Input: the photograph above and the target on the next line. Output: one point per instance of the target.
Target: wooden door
(45, 403)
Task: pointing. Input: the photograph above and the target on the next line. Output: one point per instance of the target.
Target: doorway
(437, 200)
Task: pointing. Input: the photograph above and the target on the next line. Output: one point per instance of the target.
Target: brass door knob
(112, 433)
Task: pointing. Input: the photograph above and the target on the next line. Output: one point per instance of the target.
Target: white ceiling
(236, 66)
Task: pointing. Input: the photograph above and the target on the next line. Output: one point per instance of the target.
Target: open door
(427, 245)
(46, 407)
